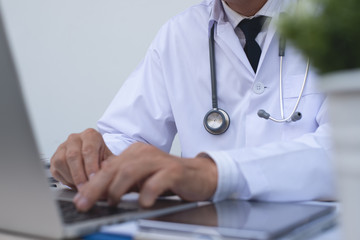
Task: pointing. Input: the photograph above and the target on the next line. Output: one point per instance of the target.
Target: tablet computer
(233, 219)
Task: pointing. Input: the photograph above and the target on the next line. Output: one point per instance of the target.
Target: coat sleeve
(141, 111)
(279, 171)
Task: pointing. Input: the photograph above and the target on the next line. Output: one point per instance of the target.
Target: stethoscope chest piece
(216, 121)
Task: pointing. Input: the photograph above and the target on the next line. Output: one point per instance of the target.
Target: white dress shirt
(170, 92)
(271, 9)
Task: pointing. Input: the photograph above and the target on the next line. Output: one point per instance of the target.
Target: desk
(331, 234)
(130, 228)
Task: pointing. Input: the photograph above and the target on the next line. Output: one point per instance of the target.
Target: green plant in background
(327, 31)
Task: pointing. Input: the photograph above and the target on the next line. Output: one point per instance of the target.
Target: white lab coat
(170, 92)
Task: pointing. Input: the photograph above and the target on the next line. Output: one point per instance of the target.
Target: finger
(74, 160)
(106, 152)
(92, 146)
(127, 176)
(154, 187)
(94, 189)
(59, 168)
(65, 182)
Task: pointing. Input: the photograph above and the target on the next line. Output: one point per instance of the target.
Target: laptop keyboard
(71, 215)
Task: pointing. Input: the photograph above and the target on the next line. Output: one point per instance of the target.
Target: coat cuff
(231, 180)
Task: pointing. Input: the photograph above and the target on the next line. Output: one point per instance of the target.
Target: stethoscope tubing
(213, 68)
(289, 118)
(261, 113)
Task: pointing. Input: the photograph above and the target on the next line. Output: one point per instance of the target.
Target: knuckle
(90, 131)
(61, 147)
(72, 137)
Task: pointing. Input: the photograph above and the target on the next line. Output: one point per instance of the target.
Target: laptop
(27, 204)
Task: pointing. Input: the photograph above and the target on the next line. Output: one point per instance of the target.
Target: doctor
(229, 153)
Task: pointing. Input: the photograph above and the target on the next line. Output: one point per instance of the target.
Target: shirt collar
(222, 13)
(270, 9)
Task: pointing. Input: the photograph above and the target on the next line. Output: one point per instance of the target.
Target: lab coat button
(258, 88)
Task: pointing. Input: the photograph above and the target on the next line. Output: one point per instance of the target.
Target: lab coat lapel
(269, 37)
(226, 35)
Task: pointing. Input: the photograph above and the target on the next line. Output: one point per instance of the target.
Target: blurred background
(73, 56)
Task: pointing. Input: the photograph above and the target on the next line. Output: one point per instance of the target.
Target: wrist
(201, 173)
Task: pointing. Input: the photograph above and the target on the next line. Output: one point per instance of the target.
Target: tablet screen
(244, 219)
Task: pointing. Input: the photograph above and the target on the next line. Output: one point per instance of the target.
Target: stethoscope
(217, 120)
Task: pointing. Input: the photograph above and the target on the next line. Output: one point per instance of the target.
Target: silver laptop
(27, 204)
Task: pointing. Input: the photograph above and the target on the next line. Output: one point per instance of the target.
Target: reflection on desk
(236, 218)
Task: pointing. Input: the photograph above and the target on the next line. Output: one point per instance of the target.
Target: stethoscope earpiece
(296, 116)
(263, 114)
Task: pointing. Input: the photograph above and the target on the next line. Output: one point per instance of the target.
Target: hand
(79, 158)
(156, 172)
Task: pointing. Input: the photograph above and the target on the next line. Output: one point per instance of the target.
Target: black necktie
(251, 28)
